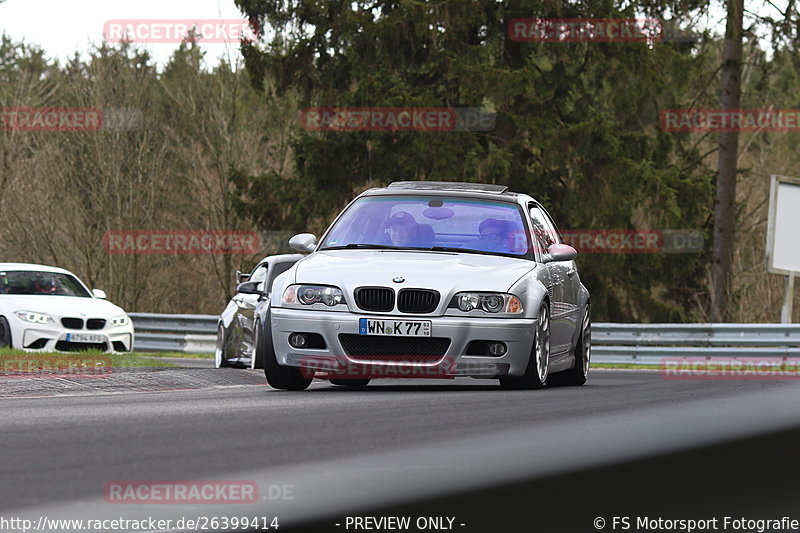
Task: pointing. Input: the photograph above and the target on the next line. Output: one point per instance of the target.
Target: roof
(448, 186)
(32, 267)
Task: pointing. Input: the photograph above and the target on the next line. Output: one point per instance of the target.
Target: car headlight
(36, 318)
(121, 320)
(313, 294)
(491, 302)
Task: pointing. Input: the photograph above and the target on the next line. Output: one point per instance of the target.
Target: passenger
(493, 236)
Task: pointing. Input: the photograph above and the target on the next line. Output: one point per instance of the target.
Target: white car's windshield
(438, 222)
(41, 283)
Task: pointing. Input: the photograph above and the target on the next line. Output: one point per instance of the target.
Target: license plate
(395, 328)
(84, 337)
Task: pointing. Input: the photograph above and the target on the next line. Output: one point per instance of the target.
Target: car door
(571, 286)
(563, 296)
(245, 311)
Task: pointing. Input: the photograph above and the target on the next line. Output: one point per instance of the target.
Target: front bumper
(516, 334)
(54, 337)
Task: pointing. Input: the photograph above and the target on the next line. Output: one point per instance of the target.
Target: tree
(577, 123)
(725, 199)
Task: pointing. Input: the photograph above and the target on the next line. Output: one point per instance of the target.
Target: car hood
(59, 306)
(443, 271)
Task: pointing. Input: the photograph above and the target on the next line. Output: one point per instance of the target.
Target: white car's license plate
(395, 328)
(83, 337)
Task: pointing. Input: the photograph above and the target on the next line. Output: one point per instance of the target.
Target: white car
(47, 309)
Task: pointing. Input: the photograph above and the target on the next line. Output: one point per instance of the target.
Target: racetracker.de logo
(617, 241)
(54, 366)
(50, 119)
(550, 30)
(175, 31)
(730, 368)
(182, 242)
(433, 119)
(179, 492)
(634, 241)
(729, 120)
(382, 366)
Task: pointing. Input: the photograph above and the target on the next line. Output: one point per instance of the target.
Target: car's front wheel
(219, 349)
(535, 376)
(257, 361)
(282, 377)
(5, 333)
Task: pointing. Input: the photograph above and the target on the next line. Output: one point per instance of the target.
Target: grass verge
(627, 366)
(180, 355)
(10, 359)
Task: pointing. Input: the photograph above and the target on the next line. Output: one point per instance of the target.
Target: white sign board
(783, 231)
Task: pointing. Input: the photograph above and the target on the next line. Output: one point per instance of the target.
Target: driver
(403, 229)
(43, 285)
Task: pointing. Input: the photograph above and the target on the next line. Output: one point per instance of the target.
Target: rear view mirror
(99, 293)
(304, 242)
(560, 252)
(249, 287)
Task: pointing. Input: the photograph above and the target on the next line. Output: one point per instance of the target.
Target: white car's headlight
(313, 294)
(121, 320)
(33, 317)
(491, 302)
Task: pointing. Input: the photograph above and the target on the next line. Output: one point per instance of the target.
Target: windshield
(41, 283)
(415, 222)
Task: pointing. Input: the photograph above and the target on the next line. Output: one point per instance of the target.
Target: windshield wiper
(460, 250)
(474, 251)
(355, 245)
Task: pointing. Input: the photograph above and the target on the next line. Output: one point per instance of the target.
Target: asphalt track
(502, 460)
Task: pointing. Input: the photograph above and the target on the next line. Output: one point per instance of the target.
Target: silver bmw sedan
(432, 280)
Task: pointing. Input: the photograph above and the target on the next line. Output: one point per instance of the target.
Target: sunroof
(447, 186)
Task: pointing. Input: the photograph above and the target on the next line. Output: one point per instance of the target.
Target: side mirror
(304, 242)
(241, 277)
(249, 287)
(560, 252)
(99, 293)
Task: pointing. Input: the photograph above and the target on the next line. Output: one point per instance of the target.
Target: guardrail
(650, 343)
(611, 343)
(174, 333)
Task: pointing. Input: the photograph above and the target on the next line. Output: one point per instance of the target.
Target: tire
(282, 377)
(219, 349)
(258, 346)
(5, 333)
(535, 376)
(352, 383)
(583, 354)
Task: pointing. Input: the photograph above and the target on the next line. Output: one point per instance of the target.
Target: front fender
(532, 290)
(228, 314)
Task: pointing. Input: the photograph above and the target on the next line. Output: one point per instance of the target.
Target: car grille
(95, 323)
(65, 346)
(386, 348)
(380, 299)
(417, 301)
(72, 323)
